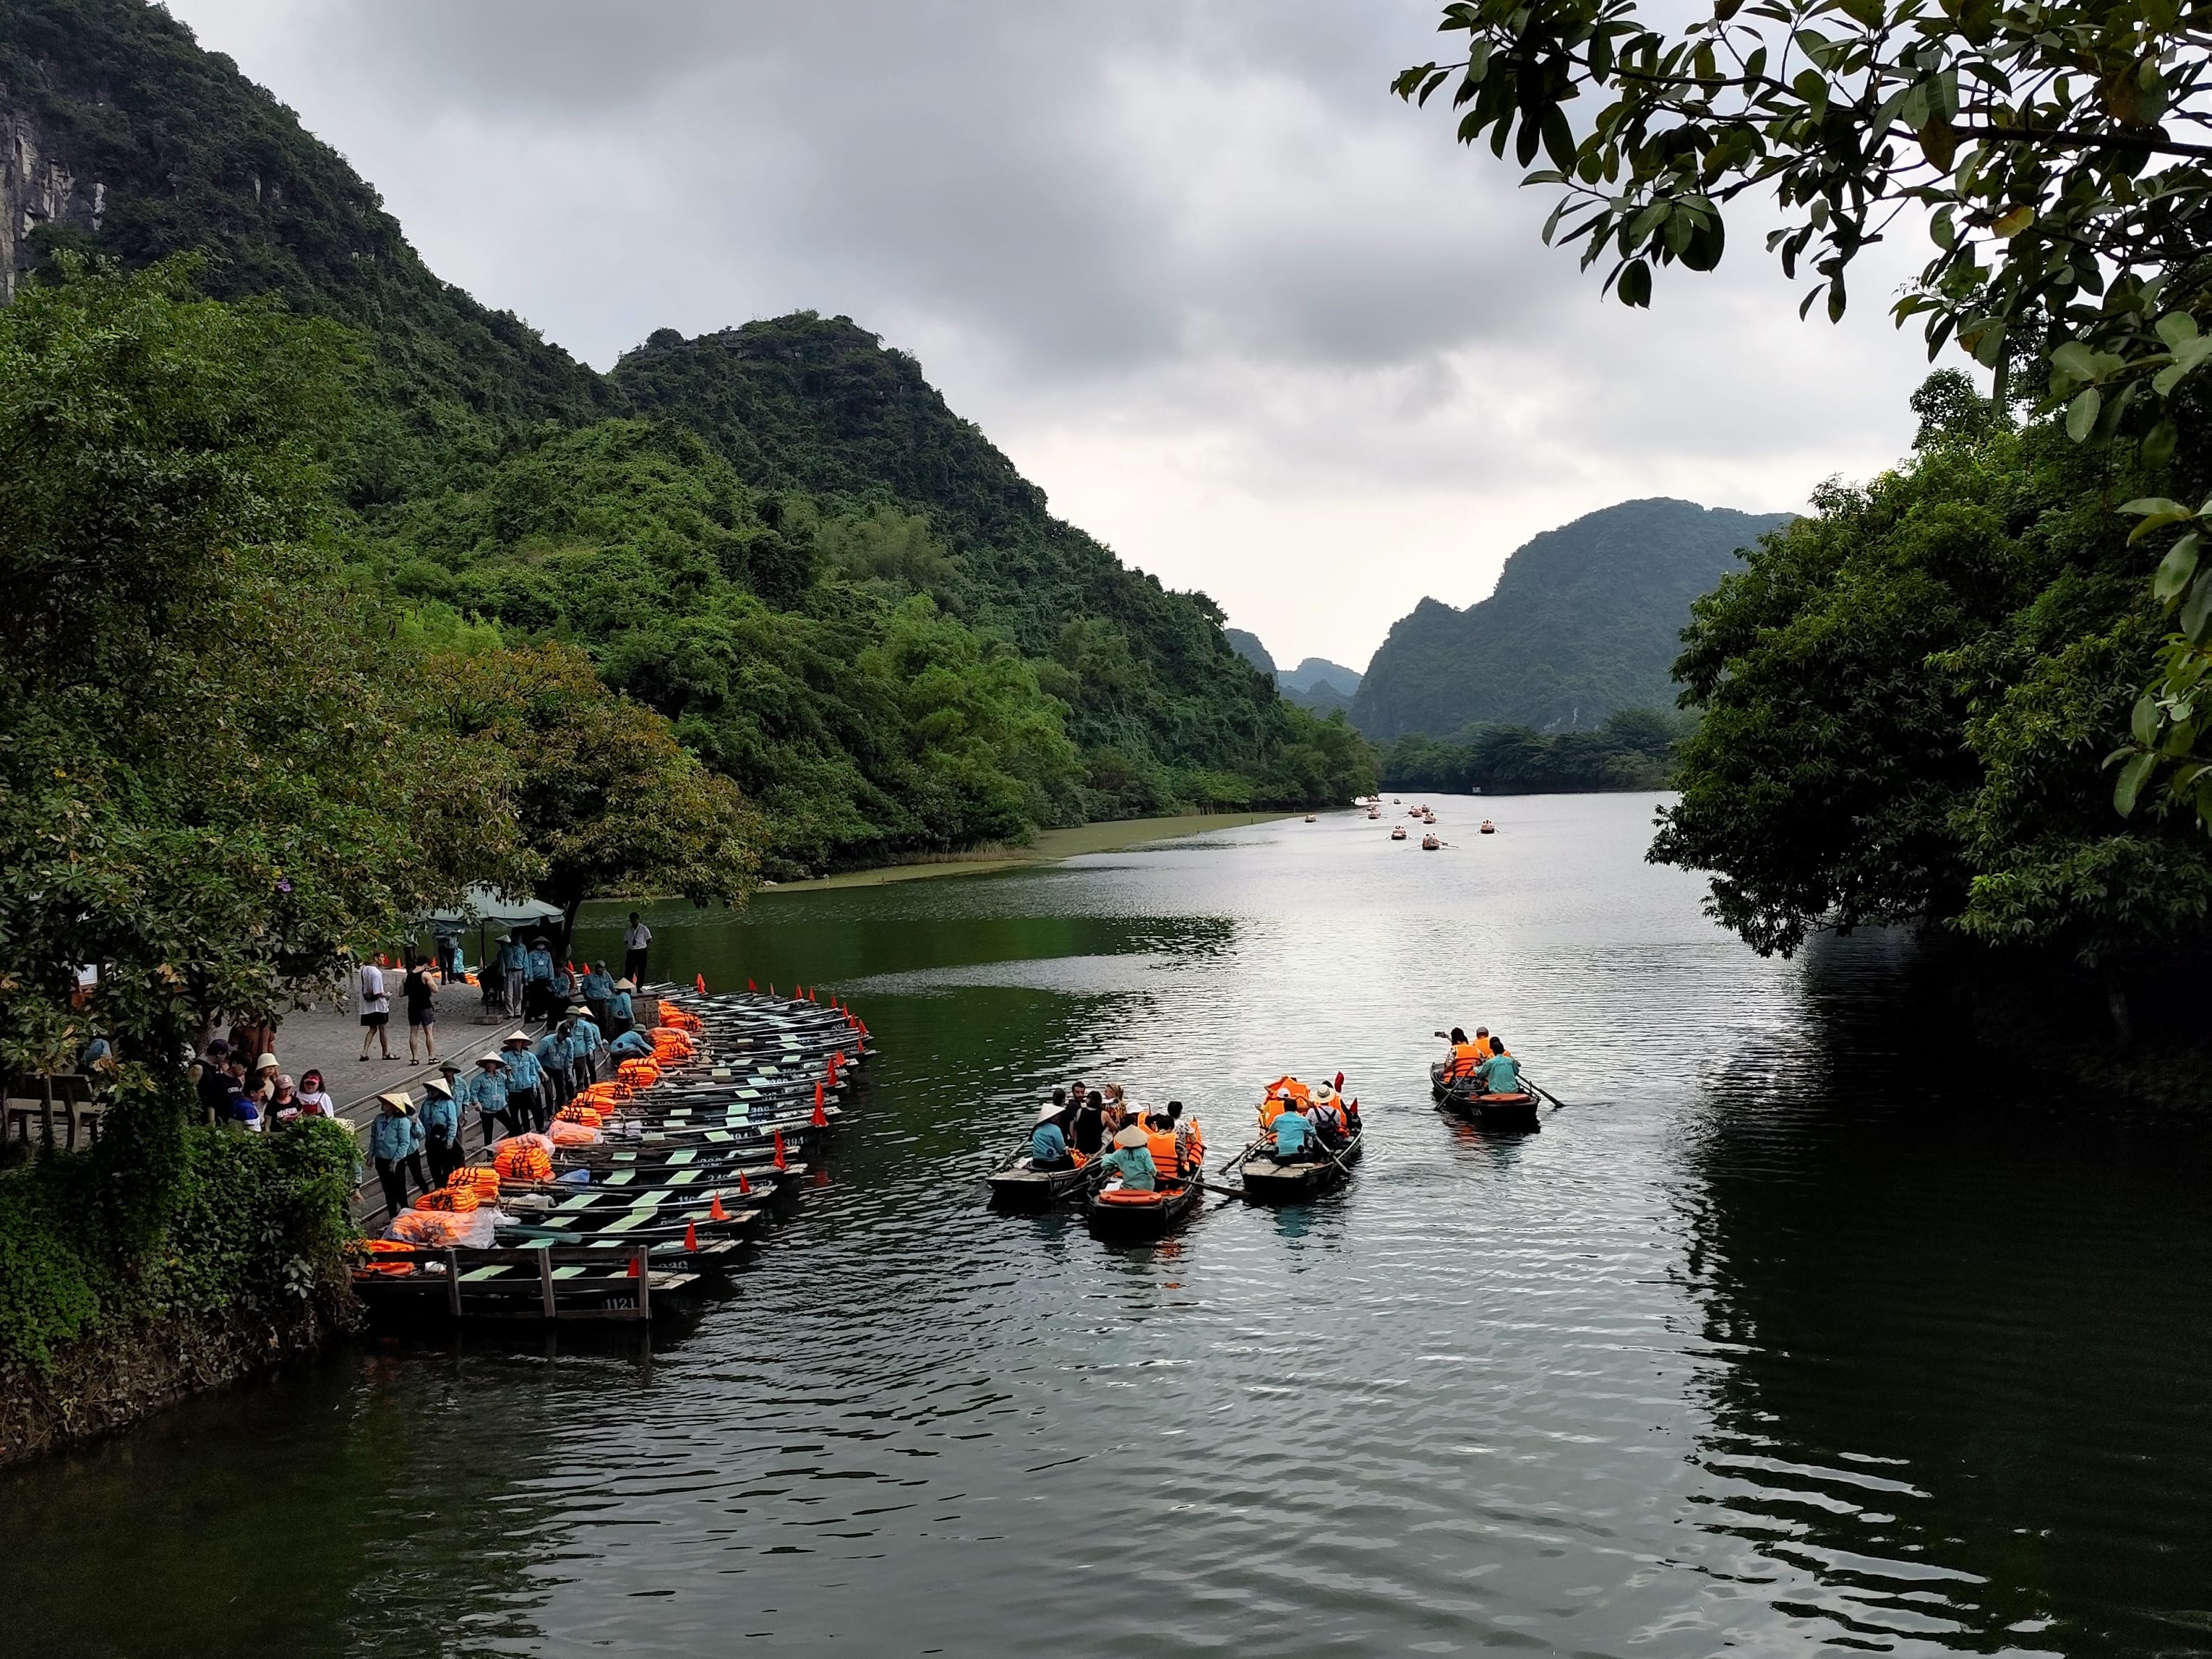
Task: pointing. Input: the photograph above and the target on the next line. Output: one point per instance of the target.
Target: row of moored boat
(651, 1183)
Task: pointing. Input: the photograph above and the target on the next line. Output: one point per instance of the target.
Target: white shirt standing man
(375, 1005)
(637, 939)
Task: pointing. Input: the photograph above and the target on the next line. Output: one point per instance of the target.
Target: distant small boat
(1310, 817)
(1396, 801)
(1398, 834)
(1429, 843)
(1488, 828)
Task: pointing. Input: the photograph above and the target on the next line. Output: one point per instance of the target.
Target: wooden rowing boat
(1270, 1180)
(1517, 1111)
(1115, 1215)
(1017, 1184)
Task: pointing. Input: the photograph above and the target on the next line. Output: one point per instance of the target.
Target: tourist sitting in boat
(1325, 1113)
(1192, 1137)
(1131, 1160)
(1047, 1144)
(1166, 1147)
(1500, 1074)
(1465, 1056)
(1087, 1123)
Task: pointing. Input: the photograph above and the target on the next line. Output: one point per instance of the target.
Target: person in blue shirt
(1294, 1135)
(551, 1051)
(536, 977)
(394, 1139)
(526, 1102)
(1048, 1141)
(1500, 1074)
(441, 1130)
(598, 989)
(584, 1041)
(1132, 1159)
(488, 1094)
(619, 1017)
(632, 1044)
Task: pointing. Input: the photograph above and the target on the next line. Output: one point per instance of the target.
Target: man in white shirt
(375, 1005)
(637, 939)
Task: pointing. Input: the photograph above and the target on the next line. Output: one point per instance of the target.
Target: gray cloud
(1255, 322)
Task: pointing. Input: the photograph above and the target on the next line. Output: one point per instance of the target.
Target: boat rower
(1500, 1074)
(1131, 1160)
(1295, 1138)
(1047, 1143)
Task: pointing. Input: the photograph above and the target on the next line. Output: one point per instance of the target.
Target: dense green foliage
(192, 157)
(216, 1225)
(209, 781)
(1585, 620)
(1633, 750)
(1157, 703)
(1906, 699)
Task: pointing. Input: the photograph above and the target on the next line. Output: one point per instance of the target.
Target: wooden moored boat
(528, 1287)
(1272, 1181)
(1017, 1184)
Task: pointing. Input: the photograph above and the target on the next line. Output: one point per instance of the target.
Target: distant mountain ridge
(1586, 619)
(1316, 684)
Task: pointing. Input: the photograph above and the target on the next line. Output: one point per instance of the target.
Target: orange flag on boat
(745, 1187)
(779, 1150)
(821, 1117)
(690, 1236)
(632, 1273)
(751, 986)
(699, 983)
(714, 1210)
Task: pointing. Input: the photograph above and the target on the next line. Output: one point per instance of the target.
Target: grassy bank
(1050, 847)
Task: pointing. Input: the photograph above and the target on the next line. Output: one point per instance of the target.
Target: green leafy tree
(209, 789)
(1904, 695)
(605, 798)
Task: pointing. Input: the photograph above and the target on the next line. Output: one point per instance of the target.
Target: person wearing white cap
(488, 1092)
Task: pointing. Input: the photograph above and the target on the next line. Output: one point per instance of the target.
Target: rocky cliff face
(39, 188)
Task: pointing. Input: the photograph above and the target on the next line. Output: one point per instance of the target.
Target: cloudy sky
(1263, 329)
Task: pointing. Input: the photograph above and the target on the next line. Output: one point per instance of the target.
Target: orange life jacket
(1465, 1057)
(1270, 1109)
(1161, 1144)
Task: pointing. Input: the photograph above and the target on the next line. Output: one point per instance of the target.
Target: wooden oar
(1226, 1192)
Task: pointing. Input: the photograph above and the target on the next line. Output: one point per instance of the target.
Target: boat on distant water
(1429, 843)
(1398, 834)
(1488, 828)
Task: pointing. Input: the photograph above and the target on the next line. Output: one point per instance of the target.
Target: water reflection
(1966, 1337)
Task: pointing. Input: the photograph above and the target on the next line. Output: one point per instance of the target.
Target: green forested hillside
(1585, 620)
(170, 149)
(846, 598)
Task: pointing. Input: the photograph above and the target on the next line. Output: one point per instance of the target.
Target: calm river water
(1797, 1330)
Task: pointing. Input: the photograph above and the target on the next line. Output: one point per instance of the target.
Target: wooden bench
(40, 1100)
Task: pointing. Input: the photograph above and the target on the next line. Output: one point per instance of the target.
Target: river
(1801, 1328)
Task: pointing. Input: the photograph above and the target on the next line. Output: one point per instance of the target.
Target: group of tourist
(1143, 1147)
(523, 980)
(1481, 1064)
(258, 1094)
(1305, 1124)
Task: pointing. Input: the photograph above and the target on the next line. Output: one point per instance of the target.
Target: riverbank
(1051, 846)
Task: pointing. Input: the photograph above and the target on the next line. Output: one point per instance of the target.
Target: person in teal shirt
(1294, 1134)
(551, 1051)
(525, 1099)
(488, 1091)
(631, 1045)
(1132, 1159)
(619, 1017)
(1499, 1075)
(441, 1130)
(393, 1140)
(584, 1041)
